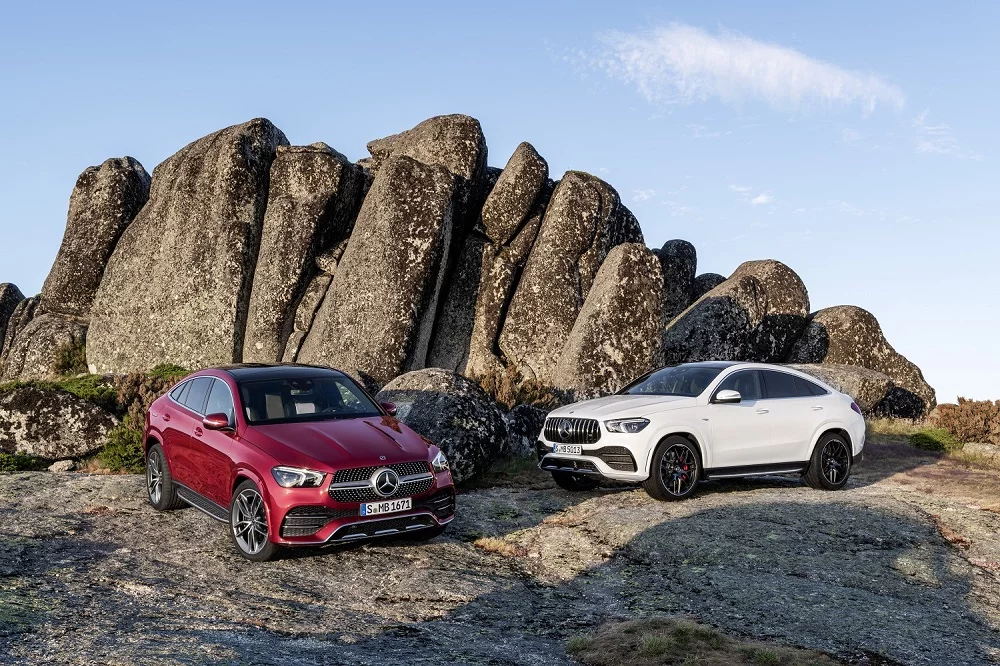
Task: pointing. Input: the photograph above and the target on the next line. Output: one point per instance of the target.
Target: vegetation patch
(670, 641)
(935, 439)
(510, 388)
(512, 472)
(71, 358)
(971, 420)
(18, 462)
(500, 547)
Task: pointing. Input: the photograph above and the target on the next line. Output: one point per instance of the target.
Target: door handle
(197, 432)
(165, 417)
(817, 408)
(763, 411)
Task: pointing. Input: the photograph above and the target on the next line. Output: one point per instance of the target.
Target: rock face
(23, 313)
(454, 413)
(867, 387)
(10, 298)
(378, 312)
(177, 287)
(583, 221)
(51, 423)
(35, 348)
(755, 315)
(105, 200)
(850, 335)
(678, 264)
(617, 334)
(314, 197)
(524, 425)
(705, 283)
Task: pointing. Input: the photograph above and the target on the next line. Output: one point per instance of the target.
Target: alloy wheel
(678, 470)
(249, 522)
(154, 478)
(835, 461)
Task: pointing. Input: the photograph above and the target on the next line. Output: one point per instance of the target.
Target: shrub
(123, 452)
(134, 393)
(935, 439)
(18, 462)
(168, 372)
(510, 388)
(71, 358)
(972, 420)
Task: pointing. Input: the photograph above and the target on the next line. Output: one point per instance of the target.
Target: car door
(210, 449)
(794, 413)
(171, 423)
(184, 418)
(741, 432)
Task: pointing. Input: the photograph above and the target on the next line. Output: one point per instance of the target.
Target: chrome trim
(573, 470)
(357, 485)
(330, 541)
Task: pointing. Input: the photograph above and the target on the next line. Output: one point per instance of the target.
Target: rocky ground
(904, 564)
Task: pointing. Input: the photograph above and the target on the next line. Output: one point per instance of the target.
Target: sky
(856, 142)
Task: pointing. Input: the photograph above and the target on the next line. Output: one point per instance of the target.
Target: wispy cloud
(939, 139)
(643, 195)
(761, 199)
(849, 135)
(742, 189)
(679, 63)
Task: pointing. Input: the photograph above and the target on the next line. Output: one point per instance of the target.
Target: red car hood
(339, 443)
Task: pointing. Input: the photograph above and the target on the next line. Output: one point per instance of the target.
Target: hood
(339, 443)
(624, 406)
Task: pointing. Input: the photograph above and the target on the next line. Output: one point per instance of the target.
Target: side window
(812, 388)
(194, 398)
(783, 385)
(179, 391)
(747, 382)
(220, 401)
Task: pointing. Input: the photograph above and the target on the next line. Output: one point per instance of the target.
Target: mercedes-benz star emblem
(565, 429)
(385, 482)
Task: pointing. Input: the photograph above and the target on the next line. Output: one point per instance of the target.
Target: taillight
(855, 407)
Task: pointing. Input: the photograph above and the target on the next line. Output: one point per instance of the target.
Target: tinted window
(220, 401)
(178, 393)
(686, 380)
(812, 387)
(304, 399)
(747, 382)
(194, 398)
(783, 385)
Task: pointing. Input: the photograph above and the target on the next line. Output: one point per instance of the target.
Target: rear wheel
(248, 524)
(674, 470)
(160, 487)
(575, 482)
(831, 463)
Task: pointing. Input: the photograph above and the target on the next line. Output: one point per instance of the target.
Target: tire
(674, 470)
(830, 465)
(425, 534)
(575, 482)
(248, 524)
(160, 488)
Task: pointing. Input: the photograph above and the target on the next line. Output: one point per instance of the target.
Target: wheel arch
(680, 432)
(835, 429)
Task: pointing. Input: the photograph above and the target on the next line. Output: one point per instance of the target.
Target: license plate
(573, 449)
(388, 506)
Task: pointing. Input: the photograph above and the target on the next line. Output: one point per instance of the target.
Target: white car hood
(623, 406)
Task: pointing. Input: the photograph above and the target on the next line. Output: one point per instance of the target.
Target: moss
(168, 372)
(18, 462)
(92, 388)
(71, 358)
(935, 439)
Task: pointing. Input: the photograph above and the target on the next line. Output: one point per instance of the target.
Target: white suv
(676, 426)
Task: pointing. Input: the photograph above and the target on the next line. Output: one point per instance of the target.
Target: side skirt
(202, 503)
(756, 470)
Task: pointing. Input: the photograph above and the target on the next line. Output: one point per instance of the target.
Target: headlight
(296, 477)
(440, 462)
(626, 425)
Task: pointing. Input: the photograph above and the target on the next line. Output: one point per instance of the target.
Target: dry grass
(898, 427)
(510, 388)
(670, 641)
(500, 547)
(513, 472)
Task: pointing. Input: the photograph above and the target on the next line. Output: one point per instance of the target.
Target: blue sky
(856, 142)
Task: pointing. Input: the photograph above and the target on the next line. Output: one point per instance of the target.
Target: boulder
(678, 264)
(512, 200)
(305, 313)
(22, 315)
(705, 283)
(312, 201)
(524, 425)
(867, 387)
(35, 348)
(583, 221)
(104, 202)
(755, 315)
(379, 310)
(454, 413)
(177, 287)
(51, 423)
(10, 298)
(616, 337)
(849, 335)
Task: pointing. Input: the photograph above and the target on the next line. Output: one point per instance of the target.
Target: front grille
(365, 473)
(615, 457)
(441, 504)
(575, 431)
(368, 494)
(551, 463)
(307, 520)
(383, 527)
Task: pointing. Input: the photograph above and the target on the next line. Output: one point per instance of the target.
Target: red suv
(293, 455)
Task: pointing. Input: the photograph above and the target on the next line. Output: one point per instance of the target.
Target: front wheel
(575, 482)
(674, 470)
(248, 524)
(831, 463)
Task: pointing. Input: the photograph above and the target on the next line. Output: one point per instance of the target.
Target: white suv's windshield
(685, 380)
(304, 399)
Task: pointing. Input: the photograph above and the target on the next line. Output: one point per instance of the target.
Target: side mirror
(389, 407)
(218, 421)
(727, 397)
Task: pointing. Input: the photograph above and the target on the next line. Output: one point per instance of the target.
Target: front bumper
(611, 461)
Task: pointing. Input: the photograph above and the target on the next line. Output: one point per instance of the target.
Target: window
(812, 387)
(179, 391)
(220, 401)
(686, 380)
(304, 399)
(746, 382)
(784, 385)
(194, 398)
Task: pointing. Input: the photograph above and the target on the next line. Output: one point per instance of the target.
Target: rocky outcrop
(10, 298)
(35, 349)
(22, 315)
(705, 283)
(867, 387)
(755, 315)
(524, 425)
(51, 423)
(312, 202)
(678, 264)
(104, 202)
(454, 413)
(616, 337)
(305, 313)
(583, 221)
(378, 313)
(177, 287)
(849, 335)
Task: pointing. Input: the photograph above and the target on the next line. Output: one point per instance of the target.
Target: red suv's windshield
(304, 399)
